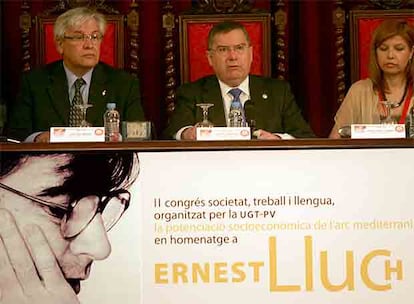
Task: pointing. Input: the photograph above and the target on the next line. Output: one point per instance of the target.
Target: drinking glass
(83, 108)
(387, 119)
(205, 123)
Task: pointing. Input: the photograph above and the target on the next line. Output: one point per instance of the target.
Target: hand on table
(43, 137)
(189, 133)
(262, 134)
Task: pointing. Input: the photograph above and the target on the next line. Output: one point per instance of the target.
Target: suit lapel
(59, 96)
(58, 92)
(99, 92)
(257, 91)
(259, 96)
(212, 94)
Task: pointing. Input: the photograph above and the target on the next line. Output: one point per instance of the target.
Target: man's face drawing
(74, 254)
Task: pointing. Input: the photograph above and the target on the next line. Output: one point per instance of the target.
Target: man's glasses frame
(94, 37)
(223, 50)
(121, 197)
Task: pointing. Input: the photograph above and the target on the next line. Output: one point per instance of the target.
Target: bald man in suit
(47, 93)
(269, 101)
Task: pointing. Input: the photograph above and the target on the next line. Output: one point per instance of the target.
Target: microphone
(250, 114)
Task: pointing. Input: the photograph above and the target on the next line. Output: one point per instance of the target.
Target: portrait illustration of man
(55, 212)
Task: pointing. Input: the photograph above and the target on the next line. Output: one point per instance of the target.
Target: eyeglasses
(78, 215)
(225, 49)
(94, 38)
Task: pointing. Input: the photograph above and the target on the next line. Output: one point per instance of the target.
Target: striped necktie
(75, 115)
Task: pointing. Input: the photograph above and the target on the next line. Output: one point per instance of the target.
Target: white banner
(288, 226)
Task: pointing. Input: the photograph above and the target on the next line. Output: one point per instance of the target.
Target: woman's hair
(74, 18)
(387, 29)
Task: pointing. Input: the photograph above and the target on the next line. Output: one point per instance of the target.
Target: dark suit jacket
(275, 109)
(43, 101)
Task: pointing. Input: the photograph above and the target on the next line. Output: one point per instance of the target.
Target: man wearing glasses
(55, 212)
(49, 95)
(230, 55)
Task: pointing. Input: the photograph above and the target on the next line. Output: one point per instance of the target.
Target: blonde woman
(391, 70)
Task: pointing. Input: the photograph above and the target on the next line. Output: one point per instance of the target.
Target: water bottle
(410, 125)
(111, 123)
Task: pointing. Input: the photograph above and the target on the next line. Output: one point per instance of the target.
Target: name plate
(223, 133)
(77, 134)
(377, 131)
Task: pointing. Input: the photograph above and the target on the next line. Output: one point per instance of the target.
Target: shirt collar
(243, 86)
(72, 77)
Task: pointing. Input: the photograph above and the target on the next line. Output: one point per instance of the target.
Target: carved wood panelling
(168, 24)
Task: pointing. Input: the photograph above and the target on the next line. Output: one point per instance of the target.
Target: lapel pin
(264, 96)
(103, 92)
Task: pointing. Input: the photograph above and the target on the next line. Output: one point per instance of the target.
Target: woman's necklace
(396, 105)
(408, 88)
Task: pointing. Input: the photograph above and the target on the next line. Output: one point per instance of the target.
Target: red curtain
(312, 62)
